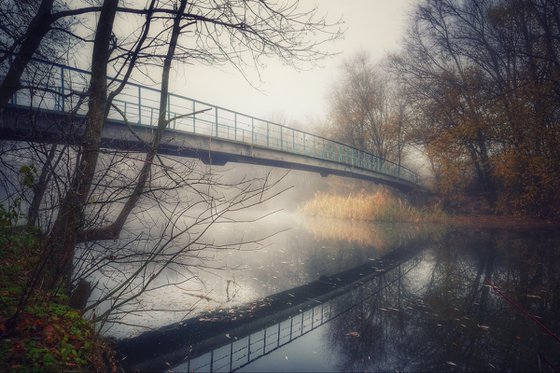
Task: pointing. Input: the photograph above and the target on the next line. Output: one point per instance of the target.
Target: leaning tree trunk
(38, 28)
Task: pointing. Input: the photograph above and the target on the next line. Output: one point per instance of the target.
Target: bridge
(53, 110)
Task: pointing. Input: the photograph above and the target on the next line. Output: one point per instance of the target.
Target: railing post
(304, 144)
(267, 134)
(249, 348)
(230, 357)
(139, 105)
(235, 126)
(293, 140)
(14, 95)
(168, 106)
(314, 146)
(216, 119)
(281, 140)
(61, 99)
(252, 130)
(194, 116)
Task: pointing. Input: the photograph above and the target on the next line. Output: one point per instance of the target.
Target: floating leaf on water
(451, 363)
(227, 335)
(353, 334)
(438, 325)
(533, 296)
(483, 327)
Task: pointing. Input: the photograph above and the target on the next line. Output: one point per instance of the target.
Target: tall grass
(382, 206)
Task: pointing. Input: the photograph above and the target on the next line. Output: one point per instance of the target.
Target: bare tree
(482, 76)
(366, 110)
(90, 209)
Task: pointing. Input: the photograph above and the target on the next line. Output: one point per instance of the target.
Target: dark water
(442, 300)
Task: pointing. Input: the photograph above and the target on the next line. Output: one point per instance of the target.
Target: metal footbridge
(53, 109)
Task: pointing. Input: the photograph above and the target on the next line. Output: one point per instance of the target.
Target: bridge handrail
(132, 101)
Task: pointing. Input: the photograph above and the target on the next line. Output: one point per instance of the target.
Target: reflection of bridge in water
(228, 340)
(197, 129)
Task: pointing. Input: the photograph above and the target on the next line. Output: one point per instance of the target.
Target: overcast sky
(284, 93)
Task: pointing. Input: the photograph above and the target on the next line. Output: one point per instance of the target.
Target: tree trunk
(62, 239)
(37, 29)
(40, 188)
(113, 230)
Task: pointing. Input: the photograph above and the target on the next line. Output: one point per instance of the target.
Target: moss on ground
(48, 336)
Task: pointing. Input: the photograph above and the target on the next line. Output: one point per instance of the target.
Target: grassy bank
(48, 336)
(381, 206)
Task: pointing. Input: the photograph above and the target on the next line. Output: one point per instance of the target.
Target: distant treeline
(476, 86)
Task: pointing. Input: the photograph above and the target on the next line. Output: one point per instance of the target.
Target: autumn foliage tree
(483, 77)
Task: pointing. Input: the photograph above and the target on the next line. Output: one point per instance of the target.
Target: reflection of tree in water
(442, 316)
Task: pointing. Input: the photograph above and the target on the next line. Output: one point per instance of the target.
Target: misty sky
(286, 94)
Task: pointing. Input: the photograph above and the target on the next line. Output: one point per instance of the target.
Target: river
(327, 295)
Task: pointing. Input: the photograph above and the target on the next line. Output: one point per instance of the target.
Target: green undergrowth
(48, 336)
(381, 206)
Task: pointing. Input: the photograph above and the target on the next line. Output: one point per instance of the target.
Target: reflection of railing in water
(247, 349)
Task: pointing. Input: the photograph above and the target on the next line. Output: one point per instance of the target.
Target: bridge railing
(61, 88)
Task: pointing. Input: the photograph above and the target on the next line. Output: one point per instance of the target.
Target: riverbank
(499, 221)
(48, 335)
(384, 206)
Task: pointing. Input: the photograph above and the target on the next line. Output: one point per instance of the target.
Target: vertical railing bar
(235, 126)
(168, 106)
(230, 357)
(62, 88)
(216, 119)
(267, 134)
(291, 326)
(249, 348)
(252, 131)
(278, 341)
(211, 360)
(139, 104)
(312, 317)
(194, 116)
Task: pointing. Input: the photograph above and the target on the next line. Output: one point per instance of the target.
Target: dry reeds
(380, 206)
